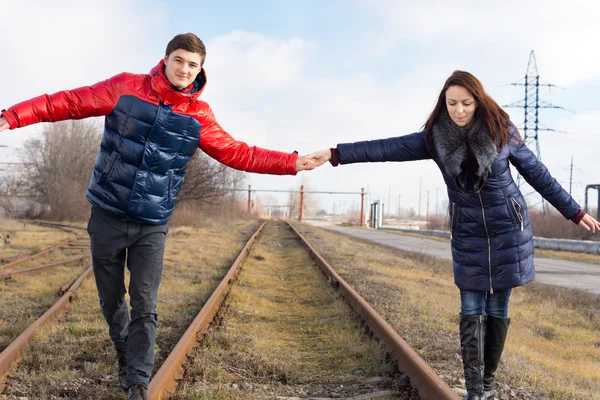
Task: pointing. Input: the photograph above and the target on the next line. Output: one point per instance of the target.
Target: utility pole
(531, 104)
(420, 188)
(437, 189)
(571, 169)
(390, 200)
(427, 212)
(571, 176)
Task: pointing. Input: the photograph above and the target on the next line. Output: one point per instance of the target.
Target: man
(153, 125)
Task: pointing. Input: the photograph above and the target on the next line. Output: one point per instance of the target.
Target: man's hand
(589, 223)
(321, 157)
(3, 124)
(305, 163)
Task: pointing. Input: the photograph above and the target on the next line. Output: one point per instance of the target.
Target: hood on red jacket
(168, 92)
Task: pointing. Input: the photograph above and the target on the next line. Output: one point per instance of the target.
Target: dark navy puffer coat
(492, 243)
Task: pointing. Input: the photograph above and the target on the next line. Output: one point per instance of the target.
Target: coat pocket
(169, 195)
(517, 210)
(452, 214)
(108, 167)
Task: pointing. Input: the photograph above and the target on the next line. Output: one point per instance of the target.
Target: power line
(531, 105)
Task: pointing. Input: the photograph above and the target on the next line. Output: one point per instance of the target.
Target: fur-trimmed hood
(455, 144)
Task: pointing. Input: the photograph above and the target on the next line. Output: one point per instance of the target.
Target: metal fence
(575, 246)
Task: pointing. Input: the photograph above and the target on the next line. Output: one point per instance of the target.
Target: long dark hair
(488, 111)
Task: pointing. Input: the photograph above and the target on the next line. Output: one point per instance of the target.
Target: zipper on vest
(489, 243)
(518, 210)
(452, 220)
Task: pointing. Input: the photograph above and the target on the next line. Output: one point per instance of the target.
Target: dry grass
(24, 298)
(76, 359)
(553, 345)
(559, 255)
(27, 239)
(552, 351)
(76, 249)
(285, 332)
(417, 235)
(565, 255)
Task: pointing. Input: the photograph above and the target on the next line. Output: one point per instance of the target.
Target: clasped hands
(312, 161)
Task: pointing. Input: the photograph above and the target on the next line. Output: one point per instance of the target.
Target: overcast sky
(306, 75)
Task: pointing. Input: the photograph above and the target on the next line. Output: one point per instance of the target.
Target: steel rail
(164, 381)
(12, 353)
(47, 250)
(9, 275)
(422, 376)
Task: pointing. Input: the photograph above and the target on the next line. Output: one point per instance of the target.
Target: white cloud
(263, 92)
(307, 113)
(49, 46)
(250, 61)
(563, 35)
(57, 45)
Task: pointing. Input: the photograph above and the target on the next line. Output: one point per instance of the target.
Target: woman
(472, 141)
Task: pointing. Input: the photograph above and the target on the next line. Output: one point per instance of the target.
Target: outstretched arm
(221, 146)
(88, 101)
(402, 148)
(538, 176)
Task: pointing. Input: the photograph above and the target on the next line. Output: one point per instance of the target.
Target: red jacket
(101, 98)
(151, 132)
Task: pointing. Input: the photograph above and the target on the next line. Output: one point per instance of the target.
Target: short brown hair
(188, 42)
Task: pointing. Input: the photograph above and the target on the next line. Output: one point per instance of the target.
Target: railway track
(419, 381)
(68, 246)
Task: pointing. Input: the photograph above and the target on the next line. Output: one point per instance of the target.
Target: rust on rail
(164, 382)
(422, 376)
(12, 353)
(49, 249)
(9, 275)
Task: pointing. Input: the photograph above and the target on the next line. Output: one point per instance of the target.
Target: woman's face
(461, 105)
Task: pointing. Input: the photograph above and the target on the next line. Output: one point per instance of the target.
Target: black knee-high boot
(496, 331)
(472, 339)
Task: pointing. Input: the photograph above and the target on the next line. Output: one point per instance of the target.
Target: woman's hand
(589, 223)
(321, 157)
(306, 163)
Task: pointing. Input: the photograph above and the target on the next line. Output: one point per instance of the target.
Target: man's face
(182, 67)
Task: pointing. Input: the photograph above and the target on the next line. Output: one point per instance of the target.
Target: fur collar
(452, 144)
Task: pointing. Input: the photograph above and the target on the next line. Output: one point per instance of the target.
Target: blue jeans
(478, 303)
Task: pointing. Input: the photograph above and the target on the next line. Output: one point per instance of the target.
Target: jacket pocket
(518, 210)
(108, 167)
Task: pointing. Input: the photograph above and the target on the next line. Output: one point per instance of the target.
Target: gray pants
(113, 242)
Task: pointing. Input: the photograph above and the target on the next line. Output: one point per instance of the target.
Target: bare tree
(61, 162)
(11, 193)
(209, 182)
(60, 166)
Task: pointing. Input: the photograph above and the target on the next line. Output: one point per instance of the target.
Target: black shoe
(472, 339)
(495, 337)
(122, 360)
(138, 392)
